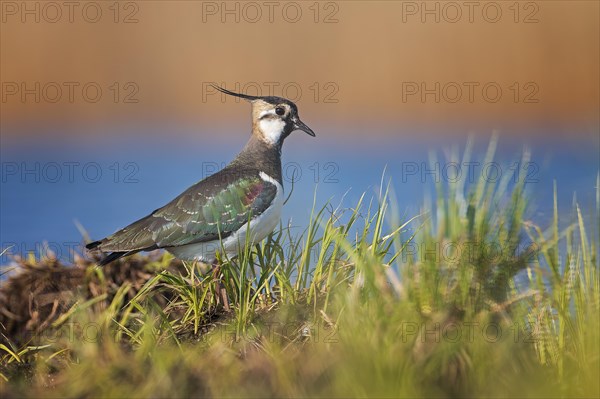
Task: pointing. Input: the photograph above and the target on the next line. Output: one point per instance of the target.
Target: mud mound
(39, 292)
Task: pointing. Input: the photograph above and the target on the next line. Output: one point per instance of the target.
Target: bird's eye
(279, 111)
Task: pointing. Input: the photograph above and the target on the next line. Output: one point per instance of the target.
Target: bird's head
(273, 118)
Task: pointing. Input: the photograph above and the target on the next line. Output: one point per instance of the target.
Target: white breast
(260, 228)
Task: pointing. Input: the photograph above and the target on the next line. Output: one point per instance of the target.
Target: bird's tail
(92, 245)
(112, 256)
(108, 258)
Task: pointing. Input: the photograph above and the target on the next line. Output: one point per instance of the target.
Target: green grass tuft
(468, 298)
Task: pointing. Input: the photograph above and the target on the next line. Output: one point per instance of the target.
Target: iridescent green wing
(211, 209)
(213, 216)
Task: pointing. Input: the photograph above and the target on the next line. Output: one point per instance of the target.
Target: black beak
(299, 125)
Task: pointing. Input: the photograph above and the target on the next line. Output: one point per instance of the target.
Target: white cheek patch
(272, 129)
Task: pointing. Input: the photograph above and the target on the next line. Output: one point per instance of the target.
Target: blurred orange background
(359, 64)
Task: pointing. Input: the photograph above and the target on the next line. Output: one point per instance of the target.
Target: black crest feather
(240, 95)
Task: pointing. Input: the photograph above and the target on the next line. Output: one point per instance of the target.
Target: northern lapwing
(215, 214)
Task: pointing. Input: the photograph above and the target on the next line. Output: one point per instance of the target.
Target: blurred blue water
(108, 182)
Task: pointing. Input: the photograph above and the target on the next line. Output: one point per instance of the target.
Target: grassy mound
(466, 299)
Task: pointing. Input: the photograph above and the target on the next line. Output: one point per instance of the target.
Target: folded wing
(210, 210)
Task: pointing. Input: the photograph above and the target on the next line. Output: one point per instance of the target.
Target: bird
(217, 214)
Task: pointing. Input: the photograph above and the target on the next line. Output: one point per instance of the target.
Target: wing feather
(204, 212)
